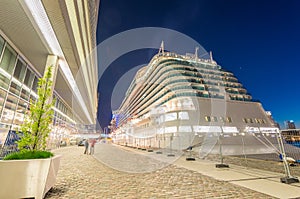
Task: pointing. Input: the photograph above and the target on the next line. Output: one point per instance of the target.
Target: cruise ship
(179, 101)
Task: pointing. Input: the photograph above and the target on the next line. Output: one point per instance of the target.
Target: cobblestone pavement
(84, 176)
(268, 165)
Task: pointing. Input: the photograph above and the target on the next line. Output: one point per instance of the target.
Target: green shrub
(28, 154)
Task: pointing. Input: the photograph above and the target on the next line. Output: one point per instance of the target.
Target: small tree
(36, 126)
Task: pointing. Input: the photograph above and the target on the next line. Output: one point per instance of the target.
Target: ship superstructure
(184, 100)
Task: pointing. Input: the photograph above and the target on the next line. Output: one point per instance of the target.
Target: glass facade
(18, 87)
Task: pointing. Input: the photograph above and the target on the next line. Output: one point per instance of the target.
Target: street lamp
(190, 148)
(222, 164)
(171, 151)
(288, 179)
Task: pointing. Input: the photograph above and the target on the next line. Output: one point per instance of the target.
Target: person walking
(92, 148)
(86, 145)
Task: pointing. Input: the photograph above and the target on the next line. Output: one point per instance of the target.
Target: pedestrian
(92, 148)
(86, 145)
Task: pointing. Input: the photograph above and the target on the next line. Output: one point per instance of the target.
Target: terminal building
(35, 34)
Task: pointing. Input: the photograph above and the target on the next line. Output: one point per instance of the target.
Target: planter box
(28, 178)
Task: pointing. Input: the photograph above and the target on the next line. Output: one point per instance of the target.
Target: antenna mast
(196, 53)
(162, 49)
(210, 56)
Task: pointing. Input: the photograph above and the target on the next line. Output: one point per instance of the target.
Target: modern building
(184, 100)
(35, 34)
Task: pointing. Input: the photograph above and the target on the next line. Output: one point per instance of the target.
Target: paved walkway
(114, 172)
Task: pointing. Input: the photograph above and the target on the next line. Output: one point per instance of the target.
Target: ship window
(162, 118)
(183, 115)
(160, 130)
(207, 118)
(171, 129)
(170, 117)
(185, 129)
(214, 119)
(228, 119)
(222, 119)
(245, 120)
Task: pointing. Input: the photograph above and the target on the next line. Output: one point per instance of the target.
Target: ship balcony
(240, 97)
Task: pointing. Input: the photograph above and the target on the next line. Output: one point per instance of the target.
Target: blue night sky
(258, 40)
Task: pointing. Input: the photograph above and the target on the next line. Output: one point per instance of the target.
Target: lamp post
(171, 151)
(158, 134)
(159, 151)
(189, 149)
(222, 164)
(288, 179)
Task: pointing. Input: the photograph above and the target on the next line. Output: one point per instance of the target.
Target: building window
(15, 88)
(8, 60)
(35, 84)
(28, 78)
(25, 94)
(1, 45)
(9, 109)
(20, 70)
(2, 97)
(4, 80)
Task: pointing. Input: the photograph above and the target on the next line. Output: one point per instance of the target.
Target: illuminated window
(207, 118)
(222, 119)
(229, 120)
(214, 119)
(185, 129)
(171, 129)
(171, 116)
(249, 120)
(183, 116)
